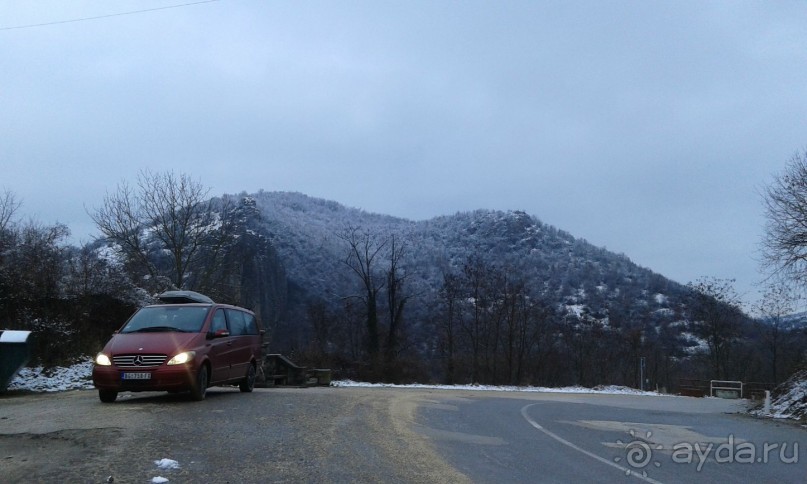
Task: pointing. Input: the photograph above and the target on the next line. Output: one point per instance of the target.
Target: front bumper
(163, 378)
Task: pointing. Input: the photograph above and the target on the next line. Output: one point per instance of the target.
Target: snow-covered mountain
(571, 275)
(304, 231)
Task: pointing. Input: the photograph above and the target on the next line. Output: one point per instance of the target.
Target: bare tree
(87, 273)
(363, 253)
(377, 260)
(778, 302)
(122, 222)
(717, 318)
(322, 323)
(396, 295)
(8, 207)
(161, 227)
(784, 246)
(451, 296)
(348, 331)
(475, 273)
(523, 323)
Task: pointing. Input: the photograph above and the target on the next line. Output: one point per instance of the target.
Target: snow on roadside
(57, 379)
(609, 389)
(79, 377)
(789, 400)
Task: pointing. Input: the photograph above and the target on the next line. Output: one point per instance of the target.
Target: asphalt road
(612, 438)
(390, 435)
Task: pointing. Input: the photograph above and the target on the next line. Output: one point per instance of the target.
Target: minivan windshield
(183, 319)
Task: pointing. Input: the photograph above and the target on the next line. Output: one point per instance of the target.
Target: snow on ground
(789, 400)
(164, 464)
(79, 377)
(75, 377)
(610, 389)
(167, 464)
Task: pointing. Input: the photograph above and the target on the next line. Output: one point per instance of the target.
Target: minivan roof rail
(183, 297)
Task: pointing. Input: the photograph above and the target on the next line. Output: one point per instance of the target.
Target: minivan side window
(237, 324)
(219, 321)
(251, 325)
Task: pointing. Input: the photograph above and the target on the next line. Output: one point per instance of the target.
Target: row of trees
(165, 234)
(71, 298)
(482, 322)
(169, 234)
(487, 326)
(168, 231)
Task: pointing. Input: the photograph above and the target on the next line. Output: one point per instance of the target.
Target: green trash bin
(14, 354)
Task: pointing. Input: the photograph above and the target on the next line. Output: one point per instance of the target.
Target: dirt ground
(272, 435)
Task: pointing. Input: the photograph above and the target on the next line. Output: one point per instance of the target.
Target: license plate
(142, 375)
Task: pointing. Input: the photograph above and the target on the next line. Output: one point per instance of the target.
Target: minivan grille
(138, 361)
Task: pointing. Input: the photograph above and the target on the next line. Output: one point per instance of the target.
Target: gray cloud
(644, 127)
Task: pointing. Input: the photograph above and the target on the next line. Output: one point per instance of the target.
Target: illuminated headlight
(182, 358)
(102, 360)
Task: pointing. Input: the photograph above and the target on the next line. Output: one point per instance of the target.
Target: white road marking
(565, 442)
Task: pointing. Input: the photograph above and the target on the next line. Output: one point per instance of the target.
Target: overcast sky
(645, 127)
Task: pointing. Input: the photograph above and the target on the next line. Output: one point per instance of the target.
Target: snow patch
(575, 310)
(789, 400)
(602, 389)
(164, 464)
(667, 312)
(167, 464)
(57, 379)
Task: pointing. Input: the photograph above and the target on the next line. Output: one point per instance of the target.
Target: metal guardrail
(690, 387)
(726, 389)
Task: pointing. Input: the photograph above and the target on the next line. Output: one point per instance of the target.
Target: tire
(248, 383)
(107, 396)
(199, 389)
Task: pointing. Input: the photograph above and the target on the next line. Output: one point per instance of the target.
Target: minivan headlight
(102, 360)
(182, 358)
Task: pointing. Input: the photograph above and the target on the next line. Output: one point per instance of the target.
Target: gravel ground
(272, 435)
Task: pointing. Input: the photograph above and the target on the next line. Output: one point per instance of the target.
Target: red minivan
(189, 343)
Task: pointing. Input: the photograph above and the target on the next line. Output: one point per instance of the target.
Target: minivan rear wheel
(107, 396)
(200, 388)
(248, 383)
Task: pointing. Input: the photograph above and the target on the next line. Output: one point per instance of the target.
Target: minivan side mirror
(222, 333)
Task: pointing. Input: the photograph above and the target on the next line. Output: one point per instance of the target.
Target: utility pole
(641, 372)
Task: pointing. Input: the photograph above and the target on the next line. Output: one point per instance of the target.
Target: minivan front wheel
(248, 383)
(200, 387)
(107, 396)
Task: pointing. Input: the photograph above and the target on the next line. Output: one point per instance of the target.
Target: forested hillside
(485, 296)
(494, 297)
